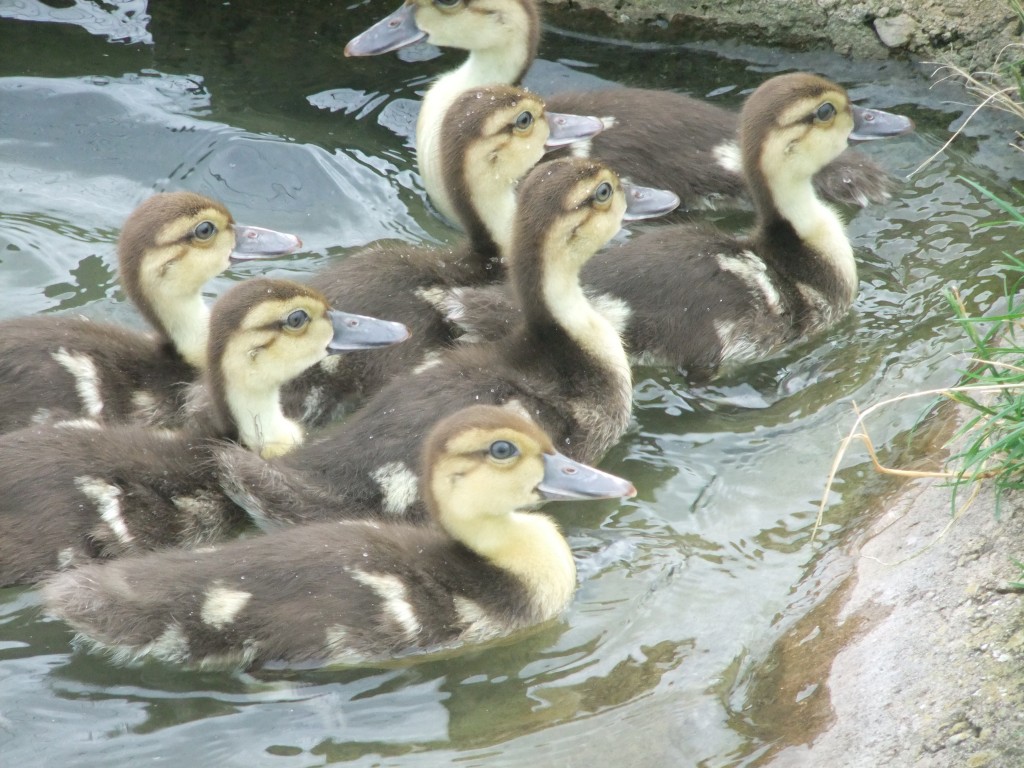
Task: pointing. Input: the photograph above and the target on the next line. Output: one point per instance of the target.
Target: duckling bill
(76, 491)
(705, 300)
(60, 367)
(563, 365)
(357, 592)
(658, 138)
(491, 137)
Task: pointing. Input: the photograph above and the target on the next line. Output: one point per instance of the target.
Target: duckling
(702, 299)
(660, 139)
(490, 138)
(563, 365)
(66, 367)
(73, 491)
(354, 592)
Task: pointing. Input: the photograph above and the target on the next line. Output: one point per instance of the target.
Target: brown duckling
(702, 299)
(563, 365)
(491, 137)
(660, 139)
(75, 491)
(354, 592)
(54, 367)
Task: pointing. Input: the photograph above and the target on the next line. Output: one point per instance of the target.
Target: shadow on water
(674, 652)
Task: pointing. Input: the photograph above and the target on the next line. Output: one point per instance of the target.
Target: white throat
(187, 321)
(262, 425)
(494, 200)
(818, 225)
(483, 67)
(528, 545)
(568, 304)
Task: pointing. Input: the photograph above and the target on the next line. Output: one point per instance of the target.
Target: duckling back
(357, 592)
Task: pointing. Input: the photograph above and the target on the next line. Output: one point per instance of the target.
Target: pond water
(683, 590)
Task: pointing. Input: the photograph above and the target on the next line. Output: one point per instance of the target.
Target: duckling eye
(296, 319)
(825, 112)
(603, 193)
(524, 121)
(205, 230)
(447, 3)
(502, 450)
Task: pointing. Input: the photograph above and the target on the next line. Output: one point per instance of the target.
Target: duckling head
(570, 208)
(490, 138)
(472, 25)
(265, 332)
(170, 246)
(486, 462)
(795, 124)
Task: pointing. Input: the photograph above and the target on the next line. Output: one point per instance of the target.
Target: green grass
(995, 434)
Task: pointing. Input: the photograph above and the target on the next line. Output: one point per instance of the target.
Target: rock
(896, 32)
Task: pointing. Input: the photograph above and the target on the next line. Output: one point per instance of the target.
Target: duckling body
(70, 367)
(563, 365)
(491, 138)
(658, 138)
(702, 299)
(77, 491)
(354, 592)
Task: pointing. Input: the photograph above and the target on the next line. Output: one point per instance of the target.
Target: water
(665, 657)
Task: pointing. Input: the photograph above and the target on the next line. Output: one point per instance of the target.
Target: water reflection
(665, 656)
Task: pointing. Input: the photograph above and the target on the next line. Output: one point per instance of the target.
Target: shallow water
(683, 590)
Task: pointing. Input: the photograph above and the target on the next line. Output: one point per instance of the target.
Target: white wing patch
(87, 379)
(107, 499)
(751, 269)
(313, 401)
(430, 360)
(395, 599)
(479, 624)
(399, 486)
(727, 155)
(330, 363)
(65, 558)
(77, 424)
(581, 149)
(435, 297)
(615, 310)
(222, 606)
(172, 645)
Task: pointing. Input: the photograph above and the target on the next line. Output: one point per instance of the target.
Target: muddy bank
(927, 668)
(968, 34)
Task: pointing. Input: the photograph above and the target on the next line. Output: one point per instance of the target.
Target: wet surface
(665, 656)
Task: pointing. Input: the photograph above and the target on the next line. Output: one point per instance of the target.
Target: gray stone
(896, 32)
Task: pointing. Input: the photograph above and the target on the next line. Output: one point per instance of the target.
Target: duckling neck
(483, 67)
(816, 225)
(186, 322)
(527, 545)
(261, 424)
(563, 302)
(487, 215)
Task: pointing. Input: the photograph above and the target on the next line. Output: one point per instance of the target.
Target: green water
(683, 590)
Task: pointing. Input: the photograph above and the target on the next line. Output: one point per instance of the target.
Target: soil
(919, 651)
(971, 35)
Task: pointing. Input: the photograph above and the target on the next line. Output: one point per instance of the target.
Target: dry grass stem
(858, 431)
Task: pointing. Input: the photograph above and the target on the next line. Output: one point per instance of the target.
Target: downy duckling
(661, 139)
(74, 491)
(355, 592)
(490, 138)
(54, 367)
(702, 299)
(563, 365)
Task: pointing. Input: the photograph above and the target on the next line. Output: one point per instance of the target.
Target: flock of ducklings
(130, 463)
